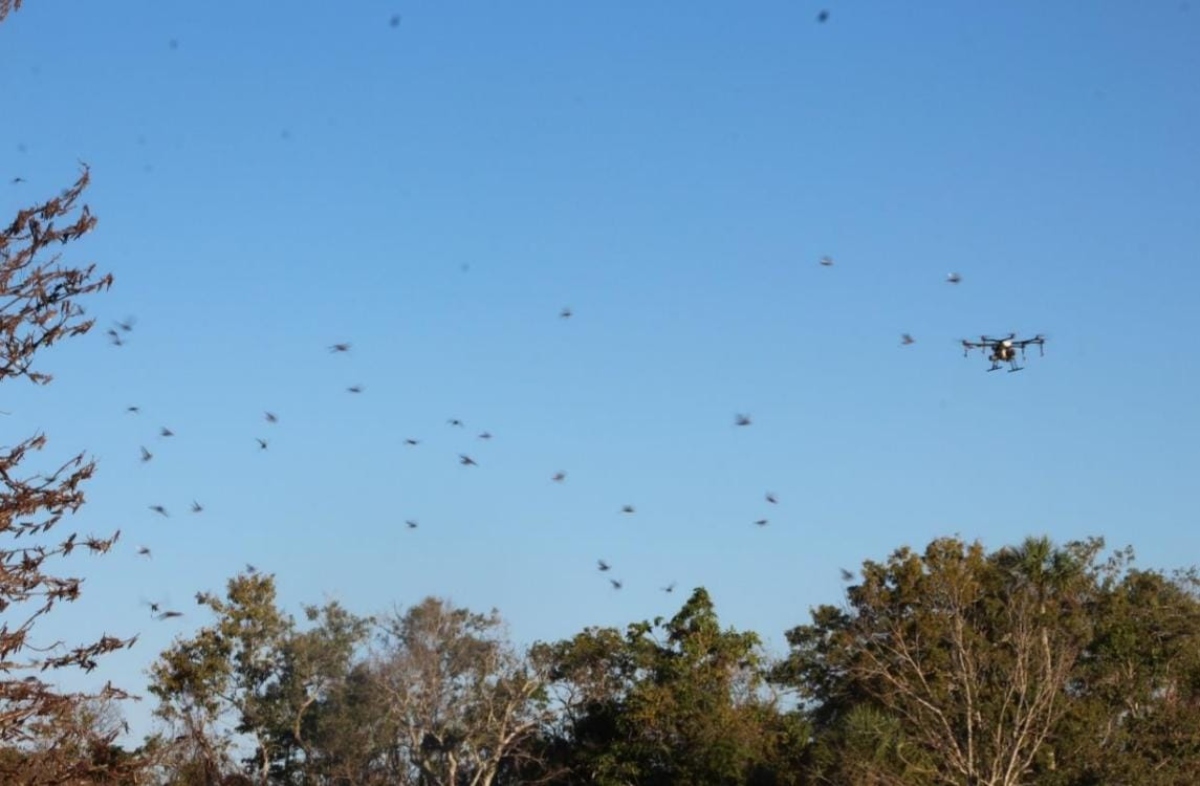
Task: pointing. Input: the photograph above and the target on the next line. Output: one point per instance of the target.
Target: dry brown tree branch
(7, 6)
(39, 306)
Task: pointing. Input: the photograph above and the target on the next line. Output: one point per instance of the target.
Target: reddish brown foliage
(8, 5)
(38, 307)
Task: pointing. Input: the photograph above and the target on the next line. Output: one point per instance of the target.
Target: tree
(350, 739)
(252, 680)
(6, 6)
(966, 657)
(218, 683)
(461, 702)
(318, 665)
(866, 747)
(1134, 716)
(76, 750)
(39, 306)
(670, 701)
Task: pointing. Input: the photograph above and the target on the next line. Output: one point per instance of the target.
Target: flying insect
(1004, 350)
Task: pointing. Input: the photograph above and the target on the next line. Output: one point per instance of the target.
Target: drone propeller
(980, 345)
(1039, 339)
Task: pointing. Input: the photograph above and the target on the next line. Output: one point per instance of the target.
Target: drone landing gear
(994, 367)
(1015, 368)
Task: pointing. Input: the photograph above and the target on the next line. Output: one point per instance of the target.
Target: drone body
(1004, 350)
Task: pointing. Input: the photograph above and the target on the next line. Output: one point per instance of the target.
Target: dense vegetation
(1029, 665)
(1034, 664)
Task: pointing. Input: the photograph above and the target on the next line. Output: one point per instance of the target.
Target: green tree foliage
(317, 666)
(865, 746)
(214, 683)
(349, 735)
(970, 653)
(251, 679)
(676, 701)
(1034, 664)
(445, 699)
(1135, 710)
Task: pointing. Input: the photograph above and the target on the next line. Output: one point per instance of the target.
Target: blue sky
(435, 192)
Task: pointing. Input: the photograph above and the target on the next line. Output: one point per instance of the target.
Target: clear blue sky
(280, 179)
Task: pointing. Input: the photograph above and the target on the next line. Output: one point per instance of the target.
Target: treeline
(1036, 664)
